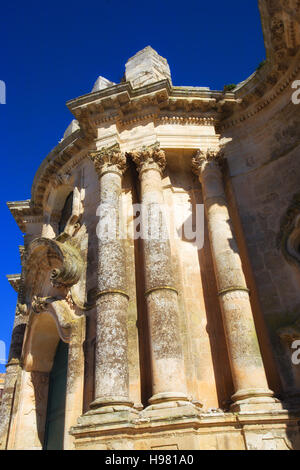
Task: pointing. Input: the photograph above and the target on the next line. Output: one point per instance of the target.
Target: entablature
(14, 280)
(24, 212)
(123, 105)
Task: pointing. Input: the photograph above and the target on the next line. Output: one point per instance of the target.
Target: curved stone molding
(288, 239)
(234, 293)
(60, 310)
(67, 254)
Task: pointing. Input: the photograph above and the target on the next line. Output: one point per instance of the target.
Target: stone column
(168, 371)
(75, 380)
(248, 373)
(13, 367)
(111, 363)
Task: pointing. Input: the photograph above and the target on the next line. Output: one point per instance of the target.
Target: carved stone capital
(109, 160)
(211, 159)
(149, 158)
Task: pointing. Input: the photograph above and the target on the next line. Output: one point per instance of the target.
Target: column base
(171, 405)
(110, 405)
(167, 400)
(166, 430)
(255, 400)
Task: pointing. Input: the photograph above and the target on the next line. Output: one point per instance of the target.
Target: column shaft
(168, 371)
(250, 382)
(111, 363)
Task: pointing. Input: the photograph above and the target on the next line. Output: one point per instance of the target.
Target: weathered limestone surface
(111, 373)
(251, 387)
(168, 374)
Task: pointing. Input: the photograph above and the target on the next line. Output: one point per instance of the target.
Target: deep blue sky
(54, 51)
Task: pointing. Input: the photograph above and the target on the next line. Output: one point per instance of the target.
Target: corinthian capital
(211, 158)
(109, 160)
(149, 158)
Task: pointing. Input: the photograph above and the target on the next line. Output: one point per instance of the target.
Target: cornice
(259, 84)
(54, 161)
(24, 212)
(14, 280)
(281, 26)
(124, 105)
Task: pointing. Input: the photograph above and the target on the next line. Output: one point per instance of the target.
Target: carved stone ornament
(59, 309)
(39, 304)
(66, 254)
(202, 158)
(109, 159)
(147, 158)
(21, 309)
(288, 239)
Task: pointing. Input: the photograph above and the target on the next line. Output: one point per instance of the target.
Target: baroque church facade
(131, 342)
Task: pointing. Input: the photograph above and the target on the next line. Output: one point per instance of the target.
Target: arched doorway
(55, 418)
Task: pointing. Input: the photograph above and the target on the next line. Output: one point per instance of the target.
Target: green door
(55, 420)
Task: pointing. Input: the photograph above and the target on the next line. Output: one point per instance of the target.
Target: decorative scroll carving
(147, 158)
(109, 159)
(71, 270)
(59, 309)
(66, 253)
(39, 304)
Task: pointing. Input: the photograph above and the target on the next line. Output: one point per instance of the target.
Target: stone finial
(202, 158)
(148, 158)
(101, 83)
(72, 127)
(109, 159)
(146, 67)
